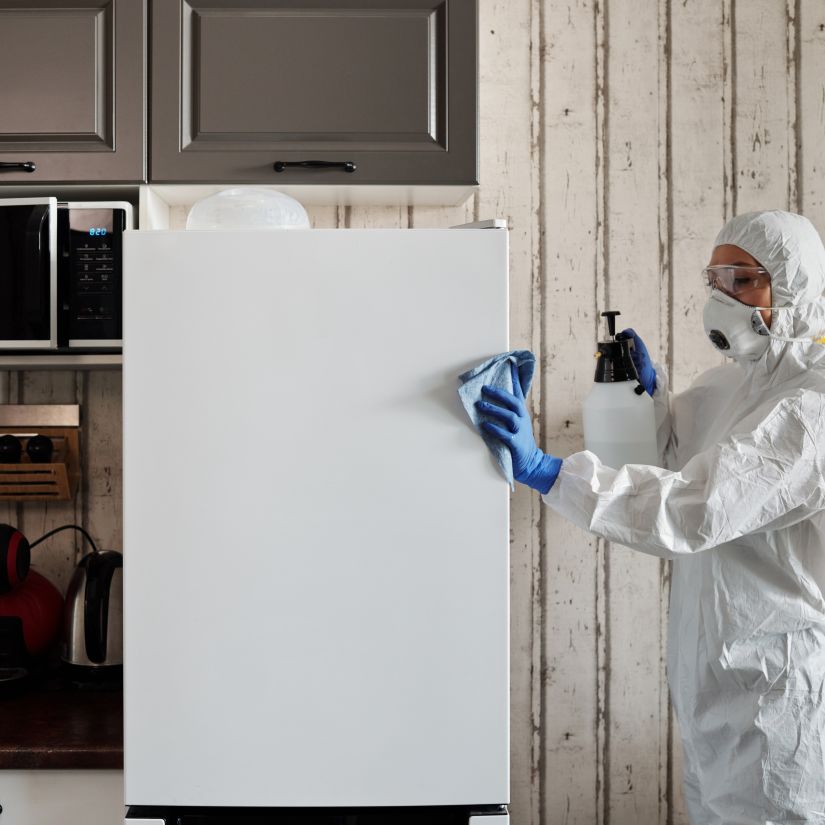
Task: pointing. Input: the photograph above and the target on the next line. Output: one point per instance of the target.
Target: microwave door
(28, 273)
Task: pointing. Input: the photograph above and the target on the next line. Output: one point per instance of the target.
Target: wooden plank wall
(616, 138)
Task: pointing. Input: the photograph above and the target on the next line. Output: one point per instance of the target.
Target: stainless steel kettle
(93, 618)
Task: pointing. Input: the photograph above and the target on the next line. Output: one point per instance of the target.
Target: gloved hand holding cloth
(493, 394)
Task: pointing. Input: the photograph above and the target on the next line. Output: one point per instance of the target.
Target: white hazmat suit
(740, 508)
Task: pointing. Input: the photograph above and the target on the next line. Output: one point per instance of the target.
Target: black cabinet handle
(346, 165)
(25, 165)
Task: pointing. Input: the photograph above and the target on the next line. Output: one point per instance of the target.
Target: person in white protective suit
(739, 506)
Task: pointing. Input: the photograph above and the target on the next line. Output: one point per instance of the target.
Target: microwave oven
(61, 269)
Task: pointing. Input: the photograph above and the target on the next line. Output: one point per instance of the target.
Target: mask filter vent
(718, 340)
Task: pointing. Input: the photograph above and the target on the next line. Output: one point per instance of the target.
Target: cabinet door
(68, 797)
(68, 105)
(389, 85)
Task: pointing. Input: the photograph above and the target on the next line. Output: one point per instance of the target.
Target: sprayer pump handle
(611, 321)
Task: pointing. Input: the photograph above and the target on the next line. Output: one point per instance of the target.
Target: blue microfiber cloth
(496, 372)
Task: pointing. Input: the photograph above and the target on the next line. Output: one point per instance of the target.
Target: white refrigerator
(316, 540)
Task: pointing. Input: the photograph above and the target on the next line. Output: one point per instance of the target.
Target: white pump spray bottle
(619, 422)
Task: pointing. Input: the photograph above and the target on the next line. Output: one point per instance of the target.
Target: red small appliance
(31, 610)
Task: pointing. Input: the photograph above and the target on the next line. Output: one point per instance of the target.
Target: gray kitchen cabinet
(388, 86)
(72, 96)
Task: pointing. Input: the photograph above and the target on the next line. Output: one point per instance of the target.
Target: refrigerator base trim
(431, 815)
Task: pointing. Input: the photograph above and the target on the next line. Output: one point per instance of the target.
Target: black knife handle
(346, 165)
(23, 165)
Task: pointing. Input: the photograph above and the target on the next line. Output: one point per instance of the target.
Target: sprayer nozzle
(611, 321)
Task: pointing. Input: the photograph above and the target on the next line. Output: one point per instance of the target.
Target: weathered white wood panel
(634, 771)
(764, 114)
(369, 217)
(323, 217)
(102, 503)
(811, 110)
(699, 185)
(569, 207)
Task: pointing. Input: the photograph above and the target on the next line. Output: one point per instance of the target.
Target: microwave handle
(37, 249)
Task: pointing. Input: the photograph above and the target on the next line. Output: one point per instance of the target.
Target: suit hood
(790, 249)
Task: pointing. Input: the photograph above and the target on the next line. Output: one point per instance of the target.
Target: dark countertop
(53, 724)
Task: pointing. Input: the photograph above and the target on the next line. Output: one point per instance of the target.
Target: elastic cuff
(545, 475)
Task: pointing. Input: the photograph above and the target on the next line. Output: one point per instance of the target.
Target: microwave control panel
(91, 299)
(93, 266)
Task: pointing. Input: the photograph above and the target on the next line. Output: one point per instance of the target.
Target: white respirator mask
(737, 330)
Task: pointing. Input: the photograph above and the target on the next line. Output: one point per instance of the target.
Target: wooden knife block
(56, 480)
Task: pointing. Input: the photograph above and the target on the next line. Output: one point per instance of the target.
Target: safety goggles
(736, 280)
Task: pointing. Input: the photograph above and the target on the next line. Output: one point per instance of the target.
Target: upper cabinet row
(237, 90)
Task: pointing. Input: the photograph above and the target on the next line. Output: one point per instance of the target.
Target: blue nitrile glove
(530, 465)
(641, 359)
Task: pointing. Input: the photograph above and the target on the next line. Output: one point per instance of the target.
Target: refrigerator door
(316, 541)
